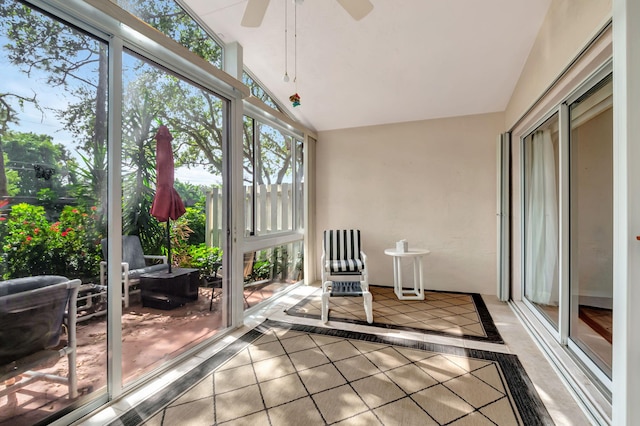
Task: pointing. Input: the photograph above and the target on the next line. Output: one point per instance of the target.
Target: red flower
(64, 234)
(74, 211)
(3, 218)
(94, 208)
(28, 238)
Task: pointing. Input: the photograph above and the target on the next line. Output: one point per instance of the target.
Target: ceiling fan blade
(254, 13)
(358, 9)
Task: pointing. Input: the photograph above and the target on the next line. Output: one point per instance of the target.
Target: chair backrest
(131, 251)
(31, 314)
(342, 244)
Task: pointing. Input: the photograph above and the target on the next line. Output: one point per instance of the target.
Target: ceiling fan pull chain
(285, 78)
(295, 44)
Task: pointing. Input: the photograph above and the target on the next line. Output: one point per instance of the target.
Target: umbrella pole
(168, 245)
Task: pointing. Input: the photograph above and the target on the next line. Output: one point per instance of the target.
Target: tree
(8, 114)
(38, 162)
(71, 60)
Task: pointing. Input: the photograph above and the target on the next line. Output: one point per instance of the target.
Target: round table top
(412, 252)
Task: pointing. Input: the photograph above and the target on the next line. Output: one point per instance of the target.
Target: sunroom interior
(495, 135)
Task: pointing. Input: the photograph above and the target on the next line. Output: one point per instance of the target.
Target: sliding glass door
(540, 155)
(591, 224)
(567, 227)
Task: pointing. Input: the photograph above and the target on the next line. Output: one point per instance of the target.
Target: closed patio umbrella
(167, 203)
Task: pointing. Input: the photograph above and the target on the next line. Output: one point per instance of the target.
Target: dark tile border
(157, 401)
(531, 409)
(490, 329)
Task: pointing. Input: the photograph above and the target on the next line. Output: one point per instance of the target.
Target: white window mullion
(564, 261)
(114, 197)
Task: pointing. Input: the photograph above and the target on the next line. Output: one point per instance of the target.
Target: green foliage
(205, 258)
(195, 219)
(33, 246)
(169, 18)
(261, 270)
(30, 156)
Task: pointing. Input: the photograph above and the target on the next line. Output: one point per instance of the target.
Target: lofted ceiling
(407, 60)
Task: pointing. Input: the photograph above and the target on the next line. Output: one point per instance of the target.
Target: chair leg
(368, 305)
(325, 306)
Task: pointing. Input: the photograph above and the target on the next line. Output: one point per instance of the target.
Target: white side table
(418, 284)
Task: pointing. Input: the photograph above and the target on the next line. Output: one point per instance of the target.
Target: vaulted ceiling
(406, 60)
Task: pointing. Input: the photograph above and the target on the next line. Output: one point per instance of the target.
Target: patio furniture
(134, 264)
(33, 311)
(346, 289)
(342, 257)
(215, 282)
(168, 290)
(417, 293)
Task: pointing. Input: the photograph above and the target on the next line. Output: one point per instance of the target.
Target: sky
(33, 120)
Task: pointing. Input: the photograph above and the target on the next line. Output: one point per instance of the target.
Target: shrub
(33, 246)
(205, 258)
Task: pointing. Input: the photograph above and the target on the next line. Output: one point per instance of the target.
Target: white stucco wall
(568, 26)
(431, 182)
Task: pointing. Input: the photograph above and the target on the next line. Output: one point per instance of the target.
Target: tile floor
(560, 404)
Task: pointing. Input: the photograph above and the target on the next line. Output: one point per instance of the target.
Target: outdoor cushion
(350, 265)
(147, 269)
(31, 314)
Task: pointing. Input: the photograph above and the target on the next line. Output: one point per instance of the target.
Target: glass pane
(170, 19)
(258, 92)
(168, 120)
(299, 170)
(591, 195)
(541, 218)
(53, 150)
(273, 176)
(248, 176)
(270, 271)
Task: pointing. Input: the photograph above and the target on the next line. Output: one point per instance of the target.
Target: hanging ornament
(295, 100)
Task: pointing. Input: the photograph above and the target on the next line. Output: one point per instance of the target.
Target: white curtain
(541, 226)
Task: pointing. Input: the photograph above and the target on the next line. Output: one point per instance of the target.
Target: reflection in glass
(591, 197)
(270, 271)
(541, 219)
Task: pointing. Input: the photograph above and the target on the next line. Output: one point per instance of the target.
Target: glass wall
(540, 177)
(591, 229)
(169, 126)
(567, 202)
(273, 176)
(270, 271)
(171, 311)
(269, 161)
(168, 17)
(53, 174)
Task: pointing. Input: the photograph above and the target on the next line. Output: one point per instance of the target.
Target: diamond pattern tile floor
(456, 314)
(290, 374)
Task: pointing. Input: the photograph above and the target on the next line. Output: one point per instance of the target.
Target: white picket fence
(273, 213)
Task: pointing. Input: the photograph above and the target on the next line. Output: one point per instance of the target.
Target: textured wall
(431, 182)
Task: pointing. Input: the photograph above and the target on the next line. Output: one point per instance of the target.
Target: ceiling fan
(255, 10)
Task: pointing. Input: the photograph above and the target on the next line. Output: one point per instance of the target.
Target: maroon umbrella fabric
(167, 203)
